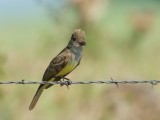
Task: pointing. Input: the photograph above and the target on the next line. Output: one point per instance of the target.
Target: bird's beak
(82, 43)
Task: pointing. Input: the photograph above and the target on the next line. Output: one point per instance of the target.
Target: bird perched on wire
(64, 63)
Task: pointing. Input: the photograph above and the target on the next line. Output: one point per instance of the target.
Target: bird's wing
(57, 64)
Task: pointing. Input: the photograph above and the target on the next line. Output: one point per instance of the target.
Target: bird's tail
(36, 96)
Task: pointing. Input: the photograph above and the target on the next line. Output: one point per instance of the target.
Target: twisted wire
(153, 82)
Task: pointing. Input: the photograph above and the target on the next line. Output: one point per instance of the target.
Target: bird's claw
(66, 82)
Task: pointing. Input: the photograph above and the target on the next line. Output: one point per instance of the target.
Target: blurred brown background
(123, 42)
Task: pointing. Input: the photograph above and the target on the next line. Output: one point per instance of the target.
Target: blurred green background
(123, 42)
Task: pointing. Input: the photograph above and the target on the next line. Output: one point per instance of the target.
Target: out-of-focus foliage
(123, 42)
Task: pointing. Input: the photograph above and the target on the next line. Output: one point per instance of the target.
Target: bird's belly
(67, 69)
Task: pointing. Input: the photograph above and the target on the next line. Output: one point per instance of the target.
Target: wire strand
(68, 82)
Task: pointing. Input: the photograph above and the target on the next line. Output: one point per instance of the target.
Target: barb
(152, 82)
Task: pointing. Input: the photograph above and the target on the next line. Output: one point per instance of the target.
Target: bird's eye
(73, 37)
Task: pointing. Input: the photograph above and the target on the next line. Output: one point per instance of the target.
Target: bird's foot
(65, 81)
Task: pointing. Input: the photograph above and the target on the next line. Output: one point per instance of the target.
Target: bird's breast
(72, 63)
(68, 68)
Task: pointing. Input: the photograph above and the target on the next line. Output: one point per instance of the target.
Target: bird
(64, 63)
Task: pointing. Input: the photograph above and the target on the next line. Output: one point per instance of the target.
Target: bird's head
(77, 38)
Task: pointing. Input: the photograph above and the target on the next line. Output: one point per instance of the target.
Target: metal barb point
(153, 83)
(23, 81)
(116, 83)
(152, 86)
(111, 78)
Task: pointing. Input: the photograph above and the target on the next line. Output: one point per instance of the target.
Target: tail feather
(36, 97)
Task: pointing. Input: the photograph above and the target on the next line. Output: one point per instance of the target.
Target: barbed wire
(69, 82)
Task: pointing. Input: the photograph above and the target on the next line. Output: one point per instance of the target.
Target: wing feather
(57, 64)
